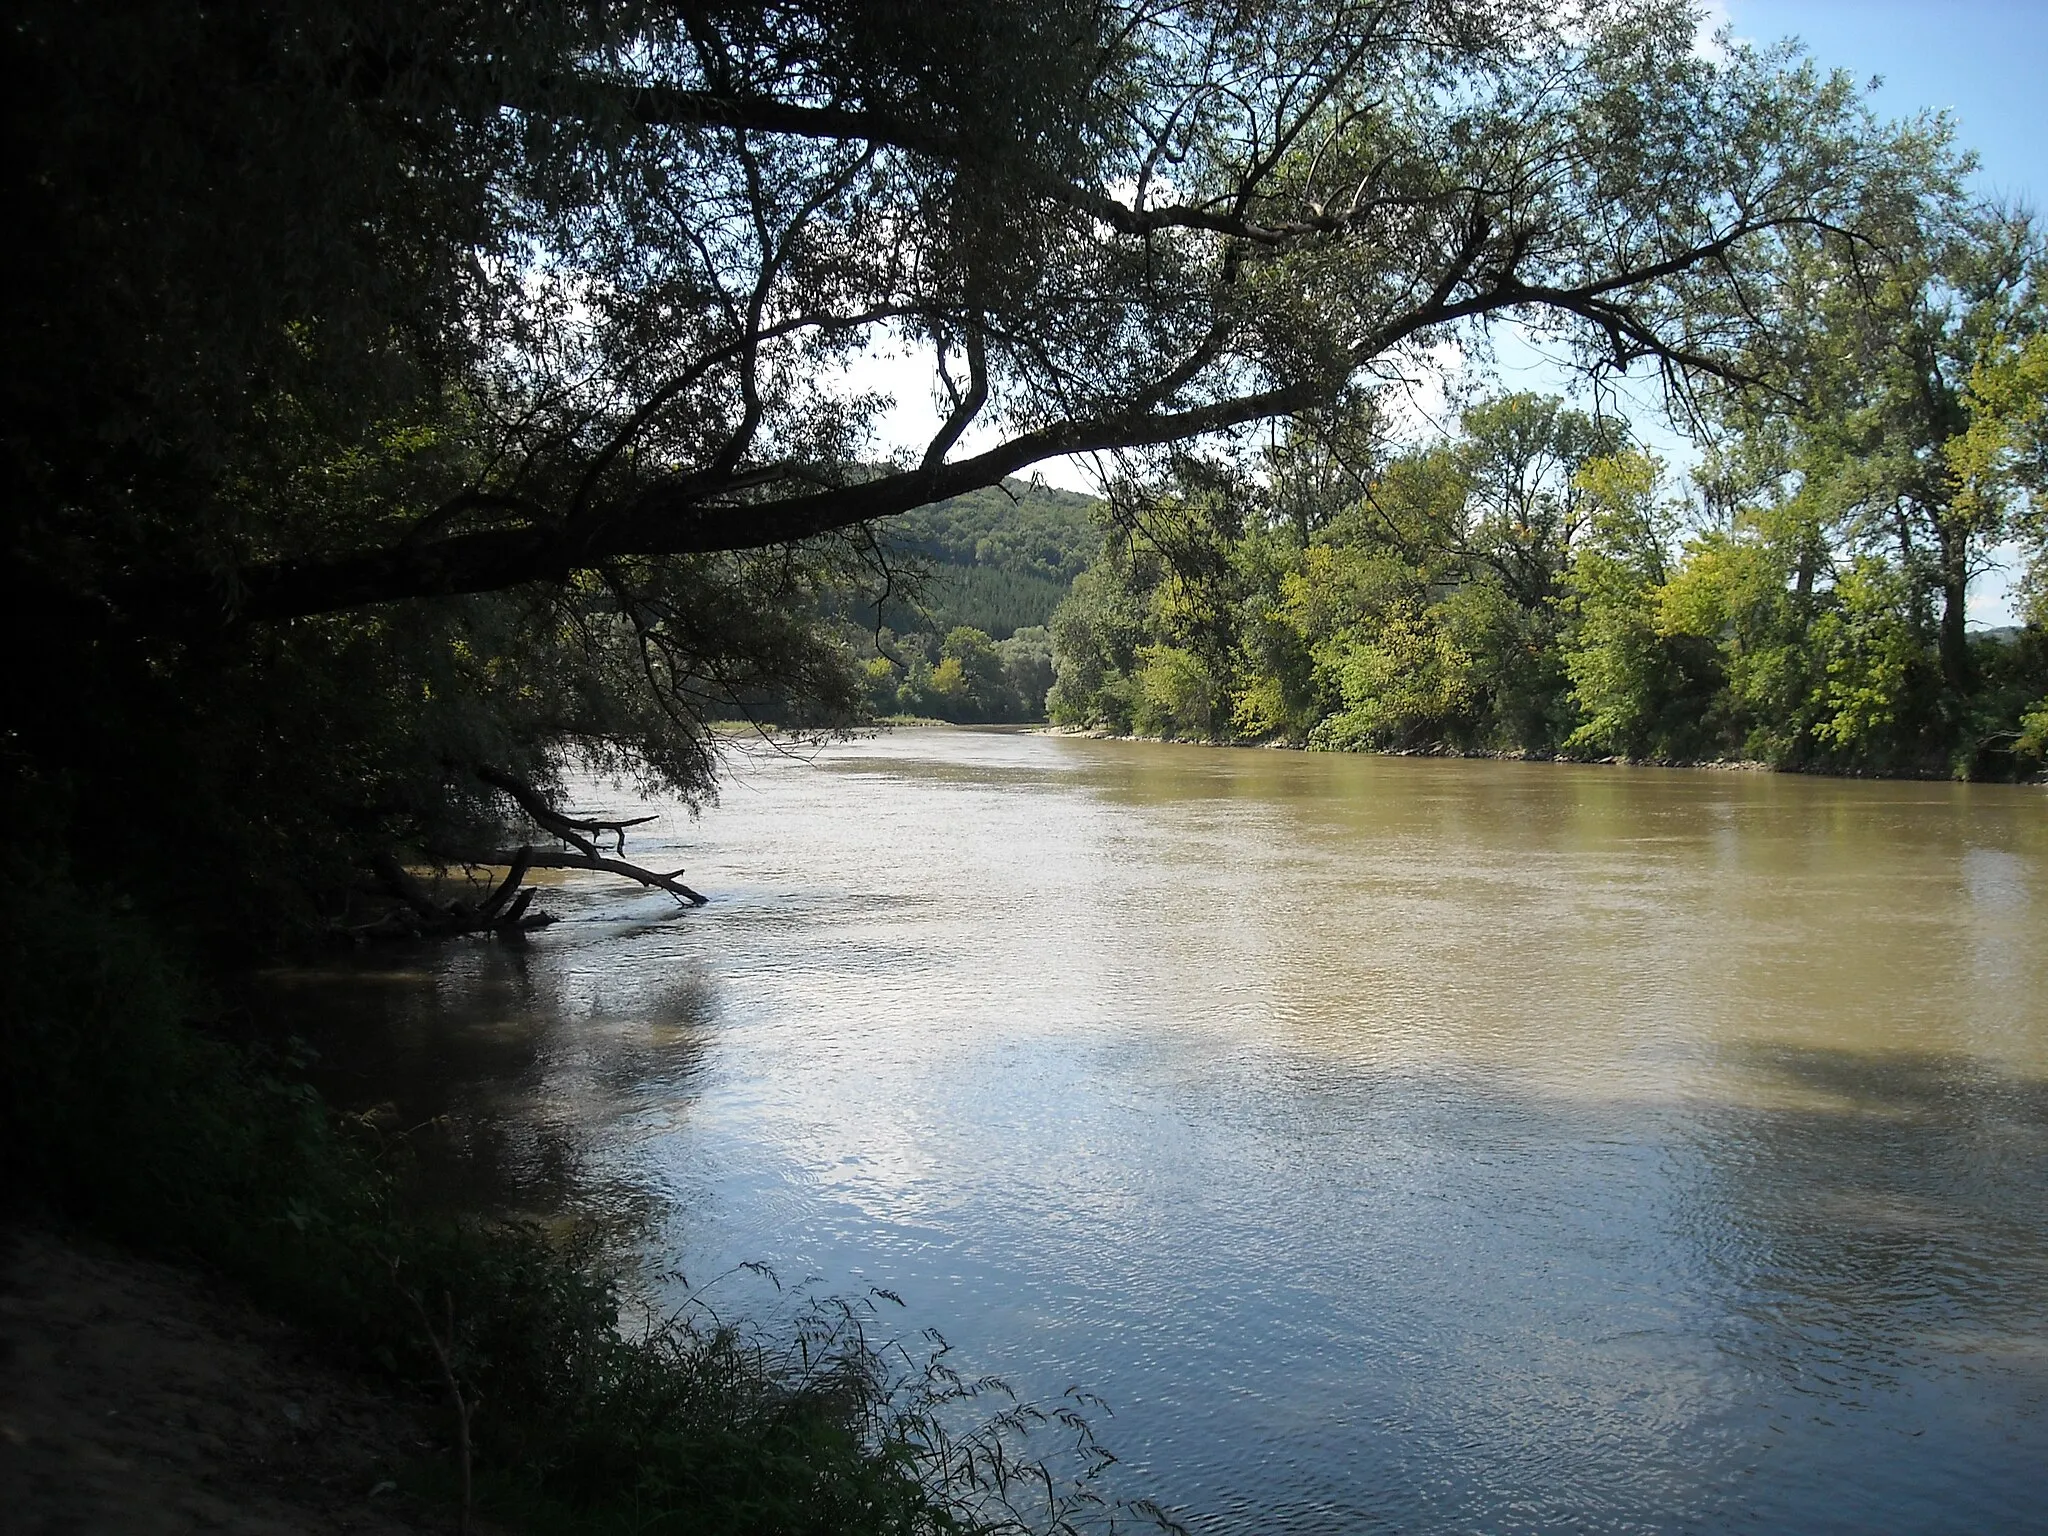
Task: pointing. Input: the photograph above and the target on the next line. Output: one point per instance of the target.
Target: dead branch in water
(577, 831)
(648, 877)
(420, 914)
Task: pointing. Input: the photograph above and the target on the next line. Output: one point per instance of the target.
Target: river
(1395, 1144)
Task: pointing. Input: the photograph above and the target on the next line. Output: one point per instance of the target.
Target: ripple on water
(1398, 1145)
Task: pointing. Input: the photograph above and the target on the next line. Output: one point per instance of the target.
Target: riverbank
(1471, 754)
(139, 1398)
(1475, 754)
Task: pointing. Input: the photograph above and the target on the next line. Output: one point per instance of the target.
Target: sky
(1984, 61)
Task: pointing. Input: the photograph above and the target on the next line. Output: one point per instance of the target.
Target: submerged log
(580, 833)
(521, 862)
(420, 916)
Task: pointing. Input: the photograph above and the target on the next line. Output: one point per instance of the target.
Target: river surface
(1395, 1144)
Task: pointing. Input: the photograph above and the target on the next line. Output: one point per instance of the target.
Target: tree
(973, 657)
(1027, 667)
(1749, 590)
(1524, 459)
(1877, 478)
(2000, 460)
(1453, 557)
(1886, 358)
(442, 356)
(648, 227)
(1644, 687)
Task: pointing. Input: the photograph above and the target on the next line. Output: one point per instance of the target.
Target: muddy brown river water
(1396, 1144)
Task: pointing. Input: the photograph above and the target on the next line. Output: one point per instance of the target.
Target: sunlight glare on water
(1396, 1144)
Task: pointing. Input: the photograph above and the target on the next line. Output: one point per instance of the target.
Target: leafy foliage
(979, 576)
(1026, 529)
(1526, 588)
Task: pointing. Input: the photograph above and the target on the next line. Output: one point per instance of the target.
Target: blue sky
(1984, 61)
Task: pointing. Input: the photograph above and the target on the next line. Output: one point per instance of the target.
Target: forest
(414, 408)
(965, 638)
(1537, 582)
(1536, 585)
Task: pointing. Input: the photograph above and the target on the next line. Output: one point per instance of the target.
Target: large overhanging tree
(343, 305)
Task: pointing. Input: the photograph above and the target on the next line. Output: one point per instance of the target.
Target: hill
(968, 641)
(994, 560)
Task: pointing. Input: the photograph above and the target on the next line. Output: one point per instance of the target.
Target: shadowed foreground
(139, 1399)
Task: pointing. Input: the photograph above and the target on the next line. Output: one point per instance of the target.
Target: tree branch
(570, 829)
(541, 859)
(966, 407)
(657, 106)
(687, 514)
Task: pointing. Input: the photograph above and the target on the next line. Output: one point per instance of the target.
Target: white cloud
(893, 369)
(1714, 19)
(1421, 407)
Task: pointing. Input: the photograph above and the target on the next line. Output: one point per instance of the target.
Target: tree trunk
(1955, 633)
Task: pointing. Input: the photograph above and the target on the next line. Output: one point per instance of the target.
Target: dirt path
(139, 1400)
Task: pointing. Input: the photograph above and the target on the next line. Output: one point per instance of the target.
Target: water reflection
(1880, 1250)
(1400, 1145)
(508, 1075)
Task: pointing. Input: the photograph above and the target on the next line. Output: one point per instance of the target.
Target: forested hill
(966, 638)
(1025, 527)
(998, 560)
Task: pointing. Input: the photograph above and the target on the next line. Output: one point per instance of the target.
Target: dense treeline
(995, 601)
(1533, 587)
(1022, 526)
(1535, 584)
(963, 676)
